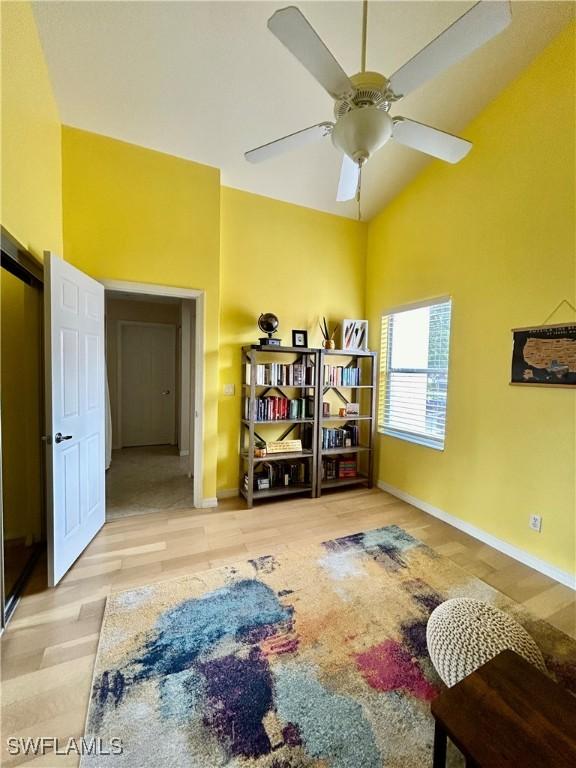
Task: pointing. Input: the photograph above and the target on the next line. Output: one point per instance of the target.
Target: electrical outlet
(229, 389)
(536, 523)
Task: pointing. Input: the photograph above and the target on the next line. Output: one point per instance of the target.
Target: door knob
(165, 392)
(59, 437)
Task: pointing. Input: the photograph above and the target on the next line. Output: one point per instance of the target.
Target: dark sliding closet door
(21, 375)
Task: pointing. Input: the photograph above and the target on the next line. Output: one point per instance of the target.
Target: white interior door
(74, 351)
(148, 383)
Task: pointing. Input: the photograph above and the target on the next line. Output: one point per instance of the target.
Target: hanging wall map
(545, 355)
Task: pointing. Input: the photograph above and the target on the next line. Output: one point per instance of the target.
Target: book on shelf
(339, 468)
(282, 374)
(341, 376)
(342, 437)
(280, 474)
(277, 408)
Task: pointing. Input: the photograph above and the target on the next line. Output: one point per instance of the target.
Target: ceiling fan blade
(294, 30)
(430, 140)
(349, 178)
(482, 22)
(287, 143)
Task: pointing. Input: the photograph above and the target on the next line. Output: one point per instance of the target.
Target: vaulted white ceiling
(207, 81)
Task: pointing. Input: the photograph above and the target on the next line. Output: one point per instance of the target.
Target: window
(414, 373)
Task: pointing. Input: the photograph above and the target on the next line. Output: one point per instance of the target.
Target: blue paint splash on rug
(196, 626)
(325, 719)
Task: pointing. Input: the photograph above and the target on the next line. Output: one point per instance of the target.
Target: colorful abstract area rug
(310, 659)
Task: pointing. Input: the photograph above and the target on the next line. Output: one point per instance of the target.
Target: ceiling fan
(363, 101)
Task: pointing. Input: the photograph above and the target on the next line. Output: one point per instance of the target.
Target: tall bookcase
(331, 459)
(269, 372)
(346, 443)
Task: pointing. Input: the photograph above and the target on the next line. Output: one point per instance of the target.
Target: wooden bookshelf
(347, 389)
(256, 426)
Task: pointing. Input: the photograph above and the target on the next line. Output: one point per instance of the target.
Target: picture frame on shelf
(355, 335)
(299, 338)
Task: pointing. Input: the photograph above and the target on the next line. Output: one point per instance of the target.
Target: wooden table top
(508, 713)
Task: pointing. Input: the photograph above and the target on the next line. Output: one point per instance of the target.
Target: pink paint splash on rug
(389, 667)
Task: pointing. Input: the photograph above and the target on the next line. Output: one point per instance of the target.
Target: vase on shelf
(329, 344)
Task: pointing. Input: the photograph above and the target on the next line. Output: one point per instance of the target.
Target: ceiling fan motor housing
(361, 132)
(362, 121)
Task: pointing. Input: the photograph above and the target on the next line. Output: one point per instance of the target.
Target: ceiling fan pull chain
(358, 194)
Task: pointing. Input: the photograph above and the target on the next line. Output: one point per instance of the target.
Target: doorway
(150, 353)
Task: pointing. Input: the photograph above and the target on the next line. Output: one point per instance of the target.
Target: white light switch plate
(229, 389)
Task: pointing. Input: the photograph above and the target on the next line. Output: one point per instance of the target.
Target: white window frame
(428, 441)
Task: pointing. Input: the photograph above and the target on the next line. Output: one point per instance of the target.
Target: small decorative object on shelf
(355, 335)
(284, 446)
(352, 409)
(327, 334)
(268, 323)
(260, 449)
(299, 338)
(325, 409)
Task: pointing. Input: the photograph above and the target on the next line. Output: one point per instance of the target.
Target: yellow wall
(299, 264)
(496, 233)
(21, 366)
(143, 216)
(31, 194)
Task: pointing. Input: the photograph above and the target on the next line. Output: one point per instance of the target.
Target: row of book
(281, 374)
(340, 376)
(339, 468)
(344, 437)
(280, 474)
(275, 408)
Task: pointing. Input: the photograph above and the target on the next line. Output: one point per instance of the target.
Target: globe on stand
(268, 323)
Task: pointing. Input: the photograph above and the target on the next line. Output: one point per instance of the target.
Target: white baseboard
(568, 579)
(210, 501)
(228, 493)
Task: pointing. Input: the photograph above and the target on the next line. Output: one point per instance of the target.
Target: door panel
(74, 327)
(148, 384)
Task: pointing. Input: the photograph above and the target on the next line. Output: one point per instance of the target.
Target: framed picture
(544, 356)
(299, 338)
(355, 335)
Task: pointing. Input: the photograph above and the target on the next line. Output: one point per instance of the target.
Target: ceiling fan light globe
(361, 132)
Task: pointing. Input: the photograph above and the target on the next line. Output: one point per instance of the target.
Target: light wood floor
(50, 645)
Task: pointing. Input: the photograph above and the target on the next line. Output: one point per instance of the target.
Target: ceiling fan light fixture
(361, 132)
(362, 101)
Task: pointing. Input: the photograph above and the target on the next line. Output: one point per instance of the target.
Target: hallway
(147, 479)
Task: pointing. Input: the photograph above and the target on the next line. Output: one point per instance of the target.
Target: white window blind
(414, 373)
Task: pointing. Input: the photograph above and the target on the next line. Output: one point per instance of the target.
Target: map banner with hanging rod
(545, 355)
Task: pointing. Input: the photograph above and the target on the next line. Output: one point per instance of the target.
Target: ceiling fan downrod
(364, 34)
